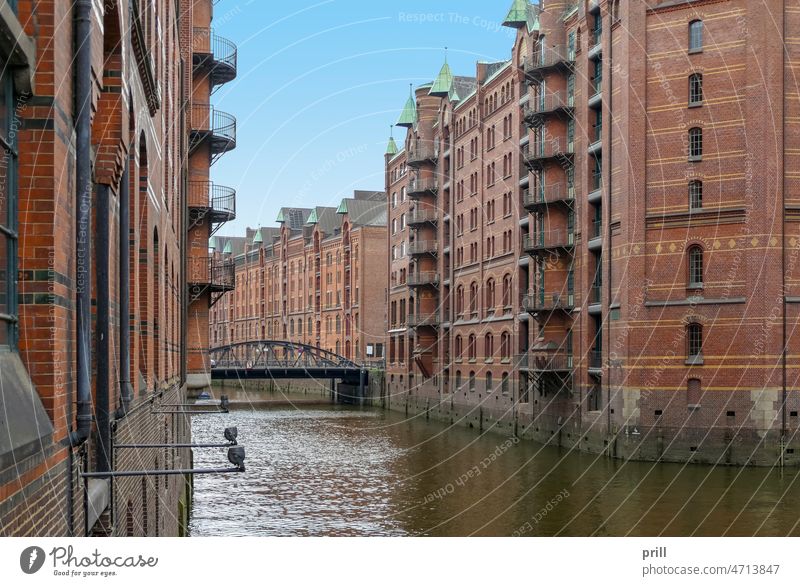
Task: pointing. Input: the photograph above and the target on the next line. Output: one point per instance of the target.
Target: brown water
(344, 471)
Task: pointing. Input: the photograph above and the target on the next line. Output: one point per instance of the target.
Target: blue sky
(321, 81)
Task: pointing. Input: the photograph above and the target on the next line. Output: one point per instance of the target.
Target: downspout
(125, 387)
(784, 396)
(102, 386)
(606, 257)
(83, 196)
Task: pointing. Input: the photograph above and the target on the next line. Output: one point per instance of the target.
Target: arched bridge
(280, 359)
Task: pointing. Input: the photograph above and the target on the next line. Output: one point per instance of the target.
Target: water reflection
(335, 471)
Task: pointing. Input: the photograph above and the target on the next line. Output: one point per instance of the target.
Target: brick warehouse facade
(318, 279)
(96, 110)
(583, 262)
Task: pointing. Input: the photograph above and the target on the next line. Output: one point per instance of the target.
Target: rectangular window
(695, 195)
(8, 213)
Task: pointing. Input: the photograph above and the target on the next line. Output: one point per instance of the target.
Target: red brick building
(606, 286)
(95, 195)
(318, 279)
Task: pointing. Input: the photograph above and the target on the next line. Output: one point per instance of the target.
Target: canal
(319, 470)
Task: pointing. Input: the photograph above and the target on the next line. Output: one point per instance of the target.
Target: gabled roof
(366, 212)
(293, 218)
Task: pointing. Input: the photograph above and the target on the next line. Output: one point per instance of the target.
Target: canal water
(324, 470)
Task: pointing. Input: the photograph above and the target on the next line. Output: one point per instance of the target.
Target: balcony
(548, 303)
(595, 361)
(421, 153)
(424, 319)
(538, 154)
(418, 217)
(550, 362)
(547, 59)
(422, 247)
(215, 54)
(543, 196)
(423, 279)
(218, 200)
(547, 104)
(214, 126)
(217, 274)
(419, 187)
(552, 240)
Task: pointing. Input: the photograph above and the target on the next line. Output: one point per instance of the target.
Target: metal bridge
(279, 359)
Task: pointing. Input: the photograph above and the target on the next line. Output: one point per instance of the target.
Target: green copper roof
(408, 118)
(342, 209)
(212, 242)
(443, 83)
(518, 14)
(280, 219)
(228, 249)
(391, 148)
(257, 239)
(312, 219)
(454, 97)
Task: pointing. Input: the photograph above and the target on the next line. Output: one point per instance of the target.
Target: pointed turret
(518, 14)
(258, 239)
(391, 148)
(408, 117)
(228, 249)
(444, 81)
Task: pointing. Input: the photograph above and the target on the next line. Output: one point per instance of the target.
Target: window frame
(9, 316)
(696, 33)
(695, 89)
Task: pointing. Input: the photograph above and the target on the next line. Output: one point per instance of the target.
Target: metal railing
(547, 194)
(550, 302)
(209, 270)
(550, 362)
(548, 102)
(422, 247)
(419, 186)
(422, 278)
(218, 198)
(548, 149)
(422, 152)
(220, 126)
(222, 51)
(548, 239)
(421, 216)
(423, 319)
(549, 57)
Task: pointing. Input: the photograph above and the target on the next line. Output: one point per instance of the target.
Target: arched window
(488, 346)
(504, 383)
(695, 89)
(338, 325)
(471, 350)
(459, 347)
(695, 195)
(460, 302)
(473, 299)
(490, 301)
(695, 267)
(695, 144)
(694, 341)
(695, 36)
(507, 291)
(291, 327)
(505, 346)
(472, 381)
(489, 382)
(458, 380)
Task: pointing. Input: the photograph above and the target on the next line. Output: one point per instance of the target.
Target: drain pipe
(102, 386)
(83, 188)
(125, 387)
